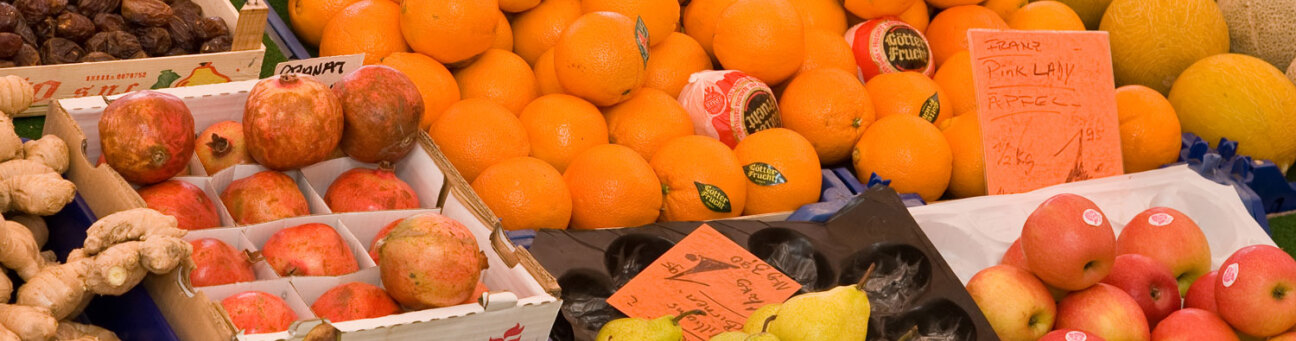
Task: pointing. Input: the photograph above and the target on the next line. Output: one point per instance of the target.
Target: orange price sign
(705, 271)
(1047, 107)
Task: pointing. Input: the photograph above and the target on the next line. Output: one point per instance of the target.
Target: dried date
(27, 56)
(182, 34)
(33, 10)
(146, 12)
(57, 6)
(94, 7)
(74, 26)
(186, 9)
(9, 17)
(117, 43)
(105, 22)
(154, 40)
(25, 31)
(7, 63)
(9, 44)
(61, 51)
(218, 44)
(210, 27)
(97, 57)
(175, 51)
(45, 29)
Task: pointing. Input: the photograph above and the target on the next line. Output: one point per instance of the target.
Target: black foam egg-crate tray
(911, 286)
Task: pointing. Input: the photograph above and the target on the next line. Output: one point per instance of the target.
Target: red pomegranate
(430, 260)
(147, 136)
(220, 146)
(184, 201)
(377, 242)
(291, 121)
(354, 301)
(262, 197)
(216, 263)
(312, 249)
(257, 312)
(382, 108)
(363, 189)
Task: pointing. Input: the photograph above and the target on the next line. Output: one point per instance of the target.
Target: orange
(947, 33)
(782, 171)
(907, 150)
(545, 77)
(561, 126)
(477, 133)
(1046, 16)
(1149, 128)
(503, 35)
(1005, 8)
(869, 9)
(763, 38)
(827, 50)
(501, 77)
(538, 29)
(514, 6)
(917, 16)
(646, 121)
(449, 30)
(700, 18)
(432, 79)
(830, 108)
(599, 59)
(525, 193)
(967, 175)
(660, 17)
(951, 3)
(672, 61)
(309, 17)
(612, 186)
(826, 15)
(701, 179)
(955, 79)
(908, 93)
(369, 27)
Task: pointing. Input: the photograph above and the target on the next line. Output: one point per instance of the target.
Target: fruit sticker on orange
(1047, 104)
(709, 272)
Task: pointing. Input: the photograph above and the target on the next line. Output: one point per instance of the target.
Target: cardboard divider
(278, 287)
(224, 178)
(259, 234)
(416, 169)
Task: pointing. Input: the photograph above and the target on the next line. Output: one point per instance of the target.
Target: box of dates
(249, 248)
(109, 47)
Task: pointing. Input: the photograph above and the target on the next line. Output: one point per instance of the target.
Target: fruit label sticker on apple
(1230, 275)
(1076, 336)
(1092, 217)
(709, 272)
(1160, 219)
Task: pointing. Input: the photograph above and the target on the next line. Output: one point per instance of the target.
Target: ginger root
(49, 150)
(59, 289)
(28, 323)
(8, 335)
(128, 225)
(40, 194)
(39, 231)
(77, 331)
(117, 269)
(20, 251)
(6, 287)
(10, 143)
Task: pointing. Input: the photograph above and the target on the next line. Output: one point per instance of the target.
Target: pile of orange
(565, 113)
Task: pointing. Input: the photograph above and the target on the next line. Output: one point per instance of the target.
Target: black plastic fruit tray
(911, 288)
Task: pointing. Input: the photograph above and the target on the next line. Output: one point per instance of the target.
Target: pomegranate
(217, 263)
(373, 247)
(309, 250)
(184, 201)
(477, 293)
(262, 197)
(430, 260)
(354, 301)
(291, 121)
(221, 145)
(363, 189)
(257, 312)
(147, 136)
(382, 108)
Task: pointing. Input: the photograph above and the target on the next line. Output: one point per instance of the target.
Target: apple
(1201, 294)
(1256, 291)
(1014, 301)
(1150, 284)
(190, 206)
(1192, 324)
(309, 250)
(217, 263)
(1014, 256)
(1106, 311)
(1169, 237)
(354, 301)
(1069, 242)
(221, 146)
(1070, 335)
(257, 312)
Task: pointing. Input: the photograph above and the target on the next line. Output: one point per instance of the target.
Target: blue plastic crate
(1260, 184)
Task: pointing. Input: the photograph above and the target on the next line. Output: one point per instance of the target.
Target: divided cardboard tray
(912, 285)
(521, 304)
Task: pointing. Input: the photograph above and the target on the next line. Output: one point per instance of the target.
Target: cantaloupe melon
(1265, 29)
(1291, 71)
(1242, 98)
(1152, 41)
(1090, 11)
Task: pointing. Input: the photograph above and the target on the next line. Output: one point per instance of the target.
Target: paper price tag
(327, 70)
(1047, 107)
(704, 271)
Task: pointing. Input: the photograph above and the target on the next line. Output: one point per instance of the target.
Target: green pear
(839, 314)
(756, 322)
(665, 328)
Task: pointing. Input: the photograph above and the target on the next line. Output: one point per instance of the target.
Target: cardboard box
(521, 306)
(242, 62)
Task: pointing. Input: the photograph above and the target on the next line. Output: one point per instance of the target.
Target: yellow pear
(839, 314)
(665, 328)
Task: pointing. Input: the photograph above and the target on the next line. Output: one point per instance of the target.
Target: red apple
(257, 312)
(1069, 242)
(430, 260)
(1192, 324)
(309, 250)
(1169, 237)
(1014, 256)
(354, 301)
(1069, 335)
(1014, 301)
(1256, 291)
(1150, 284)
(373, 247)
(217, 263)
(1202, 293)
(1106, 311)
(262, 197)
(187, 203)
(221, 146)
(363, 189)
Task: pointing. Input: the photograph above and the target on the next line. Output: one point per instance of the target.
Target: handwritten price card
(704, 271)
(1047, 107)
